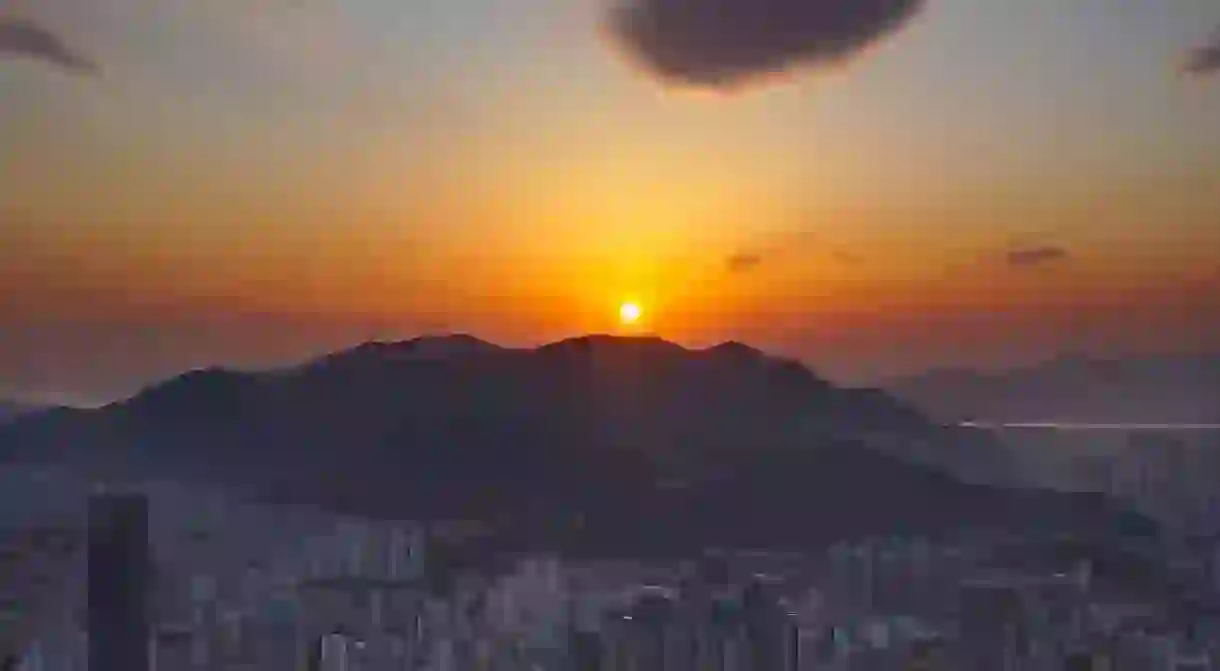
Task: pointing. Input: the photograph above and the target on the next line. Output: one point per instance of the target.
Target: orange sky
(375, 169)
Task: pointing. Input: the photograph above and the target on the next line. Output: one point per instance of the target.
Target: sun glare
(629, 313)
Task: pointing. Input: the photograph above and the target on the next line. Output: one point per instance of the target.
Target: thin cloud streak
(847, 258)
(21, 38)
(742, 262)
(1042, 255)
(798, 244)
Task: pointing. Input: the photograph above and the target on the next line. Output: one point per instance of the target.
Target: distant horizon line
(1092, 426)
(44, 399)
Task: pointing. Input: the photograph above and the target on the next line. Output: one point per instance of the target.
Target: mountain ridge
(12, 410)
(1074, 388)
(588, 425)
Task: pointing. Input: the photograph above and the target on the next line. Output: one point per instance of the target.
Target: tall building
(1078, 661)
(771, 632)
(172, 648)
(585, 651)
(652, 615)
(37, 578)
(313, 654)
(704, 626)
(641, 637)
(727, 645)
(991, 615)
(927, 654)
(119, 567)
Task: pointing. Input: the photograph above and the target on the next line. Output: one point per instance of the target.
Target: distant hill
(435, 348)
(1168, 389)
(592, 442)
(10, 410)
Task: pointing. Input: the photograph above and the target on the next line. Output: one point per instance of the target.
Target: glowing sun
(629, 313)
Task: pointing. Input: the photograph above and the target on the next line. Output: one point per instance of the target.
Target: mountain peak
(11, 410)
(210, 377)
(736, 350)
(451, 344)
(604, 342)
(420, 348)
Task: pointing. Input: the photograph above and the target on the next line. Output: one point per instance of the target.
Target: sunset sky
(247, 182)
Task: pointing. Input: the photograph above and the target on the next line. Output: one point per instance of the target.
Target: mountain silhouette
(11, 410)
(422, 348)
(595, 443)
(1152, 389)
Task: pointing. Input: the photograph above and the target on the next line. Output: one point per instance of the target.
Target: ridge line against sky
(977, 181)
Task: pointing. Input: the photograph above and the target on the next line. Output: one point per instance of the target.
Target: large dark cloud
(1024, 257)
(21, 38)
(724, 44)
(1205, 59)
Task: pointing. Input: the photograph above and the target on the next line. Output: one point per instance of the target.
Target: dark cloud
(20, 38)
(1025, 257)
(1205, 59)
(742, 262)
(724, 44)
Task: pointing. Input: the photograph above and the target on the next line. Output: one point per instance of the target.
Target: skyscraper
(636, 637)
(652, 617)
(993, 617)
(585, 652)
(771, 633)
(118, 582)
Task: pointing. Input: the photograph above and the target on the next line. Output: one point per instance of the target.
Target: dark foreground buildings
(118, 582)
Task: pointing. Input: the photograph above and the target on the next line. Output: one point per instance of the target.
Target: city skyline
(968, 183)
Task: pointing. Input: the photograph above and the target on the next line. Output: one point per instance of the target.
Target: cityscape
(185, 579)
(609, 335)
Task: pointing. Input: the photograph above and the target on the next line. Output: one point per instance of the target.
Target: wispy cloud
(742, 262)
(786, 247)
(1041, 255)
(846, 258)
(1204, 59)
(726, 44)
(23, 38)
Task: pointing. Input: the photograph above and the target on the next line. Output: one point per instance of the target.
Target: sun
(629, 313)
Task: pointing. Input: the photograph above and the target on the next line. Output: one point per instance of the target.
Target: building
(585, 651)
(119, 568)
(172, 648)
(993, 620)
(927, 654)
(771, 632)
(38, 571)
(646, 636)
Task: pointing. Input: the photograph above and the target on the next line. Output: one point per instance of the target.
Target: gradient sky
(248, 182)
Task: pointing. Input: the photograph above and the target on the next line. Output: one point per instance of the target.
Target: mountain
(10, 411)
(599, 443)
(1152, 390)
(417, 349)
